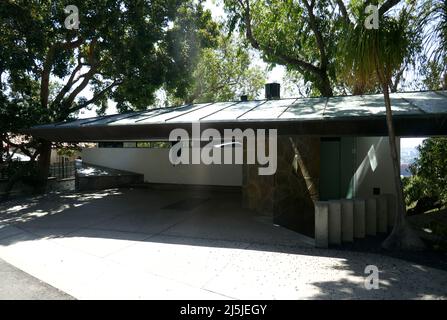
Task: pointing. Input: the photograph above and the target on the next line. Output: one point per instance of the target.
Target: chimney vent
(272, 91)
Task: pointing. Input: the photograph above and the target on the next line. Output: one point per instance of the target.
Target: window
(139, 144)
(154, 144)
(129, 144)
(110, 144)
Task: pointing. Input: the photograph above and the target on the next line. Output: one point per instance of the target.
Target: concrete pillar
(371, 216)
(347, 220)
(382, 216)
(321, 224)
(359, 218)
(334, 222)
(392, 208)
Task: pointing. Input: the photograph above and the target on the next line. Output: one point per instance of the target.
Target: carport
(154, 241)
(312, 122)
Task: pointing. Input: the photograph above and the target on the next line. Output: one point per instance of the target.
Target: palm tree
(433, 25)
(372, 56)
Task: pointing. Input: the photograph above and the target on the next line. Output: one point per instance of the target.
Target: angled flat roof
(415, 114)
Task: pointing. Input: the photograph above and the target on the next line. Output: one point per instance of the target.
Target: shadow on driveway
(207, 241)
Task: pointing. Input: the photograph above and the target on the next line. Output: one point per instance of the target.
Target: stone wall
(257, 191)
(284, 196)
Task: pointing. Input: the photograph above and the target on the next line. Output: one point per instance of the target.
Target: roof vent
(244, 97)
(272, 91)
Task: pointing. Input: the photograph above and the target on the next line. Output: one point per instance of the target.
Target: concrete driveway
(17, 285)
(154, 244)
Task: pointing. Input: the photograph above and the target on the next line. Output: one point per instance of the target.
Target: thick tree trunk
(306, 151)
(303, 153)
(43, 166)
(402, 236)
(324, 85)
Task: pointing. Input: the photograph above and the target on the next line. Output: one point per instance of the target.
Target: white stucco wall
(374, 167)
(156, 167)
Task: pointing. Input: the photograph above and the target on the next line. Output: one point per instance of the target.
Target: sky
(406, 143)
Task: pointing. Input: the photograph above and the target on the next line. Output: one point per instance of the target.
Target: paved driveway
(148, 244)
(17, 285)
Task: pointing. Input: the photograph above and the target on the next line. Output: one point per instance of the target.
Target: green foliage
(414, 189)
(225, 73)
(311, 38)
(432, 24)
(434, 19)
(371, 56)
(290, 34)
(434, 77)
(429, 172)
(124, 50)
(68, 151)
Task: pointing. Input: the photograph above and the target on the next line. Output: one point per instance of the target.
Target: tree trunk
(324, 84)
(304, 162)
(402, 236)
(303, 153)
(43, 166)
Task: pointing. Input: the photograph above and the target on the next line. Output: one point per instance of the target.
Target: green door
(337, 167)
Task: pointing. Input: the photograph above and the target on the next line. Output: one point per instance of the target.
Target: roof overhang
(414, 114)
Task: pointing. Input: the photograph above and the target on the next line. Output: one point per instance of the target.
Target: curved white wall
(374, 166)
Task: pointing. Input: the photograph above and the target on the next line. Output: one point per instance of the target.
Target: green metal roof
(415, 113)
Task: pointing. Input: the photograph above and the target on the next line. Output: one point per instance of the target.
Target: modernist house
(345, 139)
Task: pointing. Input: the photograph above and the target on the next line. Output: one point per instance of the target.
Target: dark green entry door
(337, 168)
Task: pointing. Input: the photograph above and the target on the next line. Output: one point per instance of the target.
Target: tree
(434, 77)
(224, 73)
(298, 34)
(380, 52)
(434, 21)
(433, 25)
(123, 51)
(429, 172)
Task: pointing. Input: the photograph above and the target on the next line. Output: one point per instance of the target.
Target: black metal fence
(63, 169)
